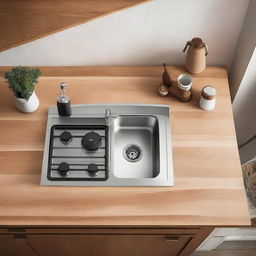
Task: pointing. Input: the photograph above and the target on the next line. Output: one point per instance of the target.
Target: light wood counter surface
(207, 173)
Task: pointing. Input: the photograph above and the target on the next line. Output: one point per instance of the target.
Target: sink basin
(136, 147)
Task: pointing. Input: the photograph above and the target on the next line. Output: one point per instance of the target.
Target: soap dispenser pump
(63, 101)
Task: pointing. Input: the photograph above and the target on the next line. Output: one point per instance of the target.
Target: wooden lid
(197, 43)
(208, 92)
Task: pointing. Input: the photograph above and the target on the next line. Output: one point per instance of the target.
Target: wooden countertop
(208, 180)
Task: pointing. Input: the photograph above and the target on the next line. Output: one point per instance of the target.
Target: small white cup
(184, 82)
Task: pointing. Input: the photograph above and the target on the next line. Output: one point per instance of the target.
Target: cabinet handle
(171, 239)
(20, 238)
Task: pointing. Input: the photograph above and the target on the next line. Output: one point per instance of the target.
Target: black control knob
(66, 137)
(91, 141)
(93, 169)
(63, 169)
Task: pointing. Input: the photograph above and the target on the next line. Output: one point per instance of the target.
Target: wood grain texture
(24, 21)
(208, 186)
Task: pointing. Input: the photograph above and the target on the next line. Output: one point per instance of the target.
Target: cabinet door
(108, 245)
(11, 245)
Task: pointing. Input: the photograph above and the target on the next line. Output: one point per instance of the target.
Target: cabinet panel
(11, 245)
(111, 231)
(108, 245)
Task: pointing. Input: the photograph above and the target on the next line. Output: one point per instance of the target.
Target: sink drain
(132, 153)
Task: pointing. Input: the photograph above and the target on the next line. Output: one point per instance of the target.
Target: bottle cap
(63, 98)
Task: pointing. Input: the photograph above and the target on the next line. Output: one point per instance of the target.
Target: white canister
(207, 100)
(29, 105)
(184, 82)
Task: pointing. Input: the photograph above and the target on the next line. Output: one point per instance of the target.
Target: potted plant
(22, 81)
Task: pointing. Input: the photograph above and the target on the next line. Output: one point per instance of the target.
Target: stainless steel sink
(138, 149)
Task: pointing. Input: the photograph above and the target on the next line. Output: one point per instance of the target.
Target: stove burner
(91, 141)
(66, 137)
(73, 154)
(93, 169)
(63, 169)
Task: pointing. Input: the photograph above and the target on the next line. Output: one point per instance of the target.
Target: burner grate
(73, 154)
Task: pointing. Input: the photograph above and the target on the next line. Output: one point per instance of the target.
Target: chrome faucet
(108, 116)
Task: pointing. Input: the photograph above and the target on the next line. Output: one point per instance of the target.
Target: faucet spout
(108, 116)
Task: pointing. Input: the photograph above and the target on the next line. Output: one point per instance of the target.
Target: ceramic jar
(196, 55)
(184, 82)
(29, 105)
(207, 100)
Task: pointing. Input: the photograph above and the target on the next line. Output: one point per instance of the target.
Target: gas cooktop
(78, 152)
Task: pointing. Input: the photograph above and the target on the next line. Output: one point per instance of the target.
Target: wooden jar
(172, 87)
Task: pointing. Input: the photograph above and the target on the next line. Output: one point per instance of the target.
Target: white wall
(244, 108)
(150, 33)
(243, 76)
(244, 50)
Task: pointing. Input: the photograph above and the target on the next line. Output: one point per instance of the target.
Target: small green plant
(22, 81)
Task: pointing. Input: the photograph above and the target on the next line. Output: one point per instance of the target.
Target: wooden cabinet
(108, 245)
(98, 242)
(11, 245)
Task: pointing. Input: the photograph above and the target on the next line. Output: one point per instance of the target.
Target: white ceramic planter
(29, 105)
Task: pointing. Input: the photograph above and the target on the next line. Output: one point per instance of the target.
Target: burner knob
(93, 169)
(63, 169)
(66, 137)
(91, 141)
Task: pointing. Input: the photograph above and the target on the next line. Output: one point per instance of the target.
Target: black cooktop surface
(78, 152)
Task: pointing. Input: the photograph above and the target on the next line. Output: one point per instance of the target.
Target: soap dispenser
(63, 101)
